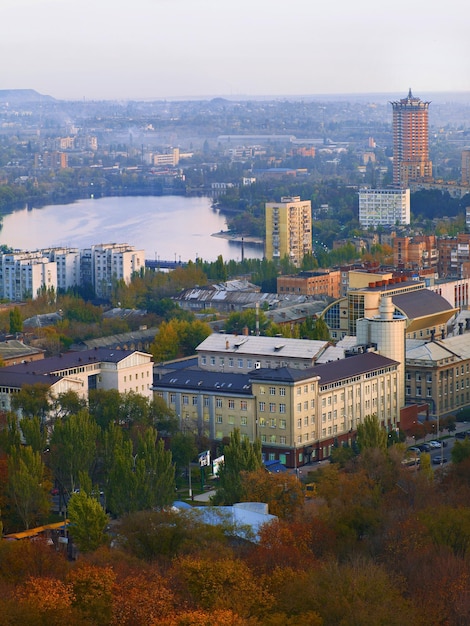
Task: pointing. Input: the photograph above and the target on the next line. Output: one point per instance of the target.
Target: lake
(166, 227)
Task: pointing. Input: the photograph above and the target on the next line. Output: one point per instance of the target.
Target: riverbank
(230, 236)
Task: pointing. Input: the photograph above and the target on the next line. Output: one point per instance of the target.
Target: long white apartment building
(384, 207)
(24, 274)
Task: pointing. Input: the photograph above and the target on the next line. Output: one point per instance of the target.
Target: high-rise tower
(410, 141)
(289, 229)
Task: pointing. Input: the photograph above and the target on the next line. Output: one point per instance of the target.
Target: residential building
(384, 207)
(311, 283)
(289, 229)
(410, 141)
(416, 253)
(104, 264)
(68, 266)
(25, 274)
(14, 351)
(465, 170)
(454, 255)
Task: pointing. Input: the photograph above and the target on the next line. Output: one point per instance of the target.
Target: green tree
(460, 451)
(121, 487)
(34, 435)
(183, 449)
(155, 472)
(88, 521)
(16, 323)
(73, 448)
(370, 434)
(104, 406)
(28, 487)
(33, 400)
(239, 455)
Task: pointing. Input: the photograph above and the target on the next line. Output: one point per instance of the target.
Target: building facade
(25, 274)
(311, 283)
(410, 141)
(416, 253)
(384, 207)
(289, 229)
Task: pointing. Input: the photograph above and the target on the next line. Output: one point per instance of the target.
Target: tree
(34, 435)
(155, 472)
(239, 455)
(183, 449)
(88, 521)
(28, 487)
(370, 434)
(282, 492)
(73, 448)
(104, 406)
(33, 400)
(16, 323)
(460, 451)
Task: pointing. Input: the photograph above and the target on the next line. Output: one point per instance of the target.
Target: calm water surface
(166, 227)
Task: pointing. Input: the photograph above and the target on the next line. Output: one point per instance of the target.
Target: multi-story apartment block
(25, 274)
(289, 229)
(384, 207)
(416, 253)
(454, 255)
(311, 283)
(465, 168)
(172, 158)
(410, 141)
(104, 264)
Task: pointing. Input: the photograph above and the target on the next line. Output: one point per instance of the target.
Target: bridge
(161, 264)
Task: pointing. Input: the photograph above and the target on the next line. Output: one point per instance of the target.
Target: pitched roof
(194, 378)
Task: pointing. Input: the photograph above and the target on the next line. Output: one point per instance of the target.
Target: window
(299, 423)
(262, 422)
(306, 405)
(263, 438)
(272, 391)
(218, 419)
(203, 360)
(244, 421)
(249, 364)
(282, 424)
(282, 391)
(262, 406)
(282, 407)
(172, 398)
(272, 422)
(230, 362)
(299, 406)
(194, 400)
(206, 401)
(312, 404)
(282, 439)
(262, 391)
(272, 438)
(240, 363)
(231, 404)
(218, 403)
(212, 360)
(185, 400)
(272, 407)
(299, 391)
(243, 406)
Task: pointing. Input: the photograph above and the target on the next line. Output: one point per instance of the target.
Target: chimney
(227, 345)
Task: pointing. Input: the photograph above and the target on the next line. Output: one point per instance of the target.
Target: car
(439, 460)
(424, 447)
(435, 444)
(414, 449)
(463, 434)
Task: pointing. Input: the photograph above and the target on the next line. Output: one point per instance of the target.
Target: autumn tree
(92, 591)
(239, 455)
(282, 492)
(28, 487)
(33, 400)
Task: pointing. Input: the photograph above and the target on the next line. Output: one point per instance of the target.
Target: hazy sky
(120, 49)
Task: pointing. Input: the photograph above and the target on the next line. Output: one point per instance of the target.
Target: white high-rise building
(103, 264)
(24, 274)
(384, 207)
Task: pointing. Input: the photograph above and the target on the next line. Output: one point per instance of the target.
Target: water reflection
(164, 226)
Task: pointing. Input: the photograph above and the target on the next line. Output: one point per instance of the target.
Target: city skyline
(144, 50)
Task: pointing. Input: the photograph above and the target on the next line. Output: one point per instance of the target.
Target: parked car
(435, 444)
(463, 434)
(414, 449)
(424, 447)
(439, 460)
